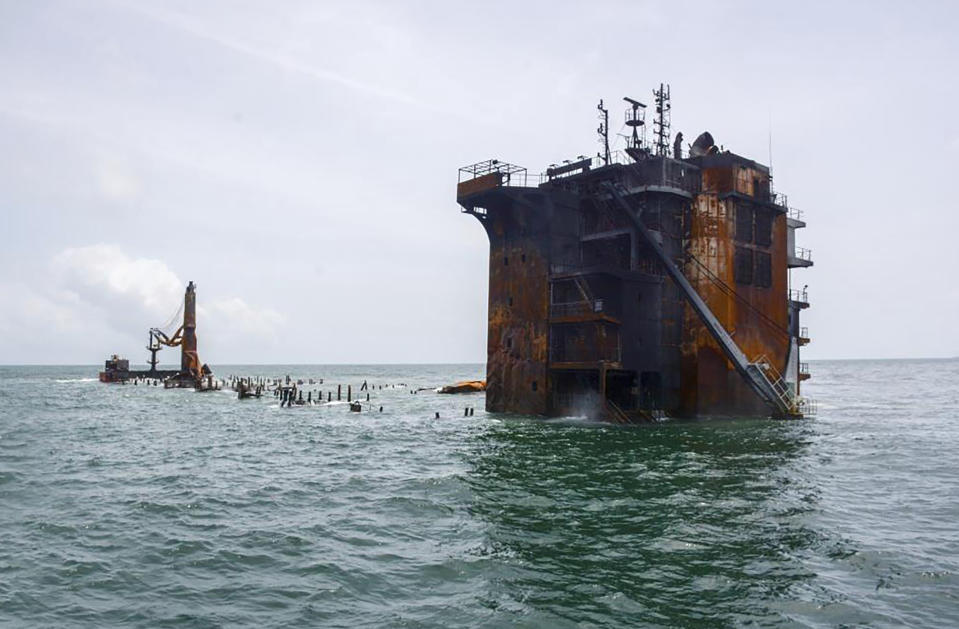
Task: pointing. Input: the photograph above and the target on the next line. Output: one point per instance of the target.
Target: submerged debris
(466, 386)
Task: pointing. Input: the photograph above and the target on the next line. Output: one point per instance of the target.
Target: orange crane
(184, 337)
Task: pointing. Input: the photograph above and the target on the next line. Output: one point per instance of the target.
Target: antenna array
(661, 123)
(603, 130)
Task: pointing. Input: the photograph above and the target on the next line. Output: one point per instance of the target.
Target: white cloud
(101, 285)
(125, 287)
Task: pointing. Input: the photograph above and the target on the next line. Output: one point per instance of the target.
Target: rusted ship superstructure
(192, 373)
(641, 284)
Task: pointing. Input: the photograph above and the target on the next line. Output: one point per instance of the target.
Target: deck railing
(509, 174)
(577, 308)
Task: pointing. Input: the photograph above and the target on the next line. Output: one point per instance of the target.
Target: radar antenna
(636, 118)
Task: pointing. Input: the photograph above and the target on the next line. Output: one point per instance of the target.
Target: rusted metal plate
(756, 316)
(518, 333)
(472, 186)
(581, 315)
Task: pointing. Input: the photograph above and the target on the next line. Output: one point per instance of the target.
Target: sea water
(135, 506)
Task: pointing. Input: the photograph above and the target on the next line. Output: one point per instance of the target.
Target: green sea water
(132, 506)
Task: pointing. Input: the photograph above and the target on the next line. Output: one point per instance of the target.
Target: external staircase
(760, 375)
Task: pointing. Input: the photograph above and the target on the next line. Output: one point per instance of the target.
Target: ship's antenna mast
(661, 124)
(636, 118)
(603, 130)
(770, 144)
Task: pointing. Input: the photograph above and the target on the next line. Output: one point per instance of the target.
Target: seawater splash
(138, 507)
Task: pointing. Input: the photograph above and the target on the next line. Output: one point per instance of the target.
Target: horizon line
(388, 364)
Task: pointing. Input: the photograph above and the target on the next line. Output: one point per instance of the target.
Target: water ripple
(138, 507)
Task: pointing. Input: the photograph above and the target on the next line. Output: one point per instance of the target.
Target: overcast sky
(298, 161)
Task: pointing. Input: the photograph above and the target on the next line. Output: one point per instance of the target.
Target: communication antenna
(636, 118)
(603, 130)
(661, 124)
(770, 143)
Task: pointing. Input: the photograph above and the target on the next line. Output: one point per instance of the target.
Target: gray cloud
(303, 159)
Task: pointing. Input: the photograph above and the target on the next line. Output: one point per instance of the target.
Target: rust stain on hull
(582, 317)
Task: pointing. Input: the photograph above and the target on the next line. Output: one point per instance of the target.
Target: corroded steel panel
(582, 317)
(756, 316)
(483, 182)
(518, 333)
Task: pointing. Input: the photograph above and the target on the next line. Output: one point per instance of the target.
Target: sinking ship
(191, 372)
(648, 283)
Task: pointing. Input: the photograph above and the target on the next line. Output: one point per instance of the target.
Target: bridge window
(744, 223)
(743, 265)
(764, 228)
(764, 276)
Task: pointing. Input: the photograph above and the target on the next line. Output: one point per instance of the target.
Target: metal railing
(804, 332)
(801, 296)
(801, 253)
(770, 196)
(668, 173)
(778, 383)
(794, 213)
(596, 161)
(807, 406)
(509, 174)
(804, 406)
(576, 308)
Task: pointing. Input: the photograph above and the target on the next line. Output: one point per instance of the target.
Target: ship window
(535, 385)
(744, 224)
(764, 228)
(743, 265)
(764, 276)
(505, 260)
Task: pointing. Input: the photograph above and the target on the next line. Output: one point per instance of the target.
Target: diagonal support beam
(751, 372)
